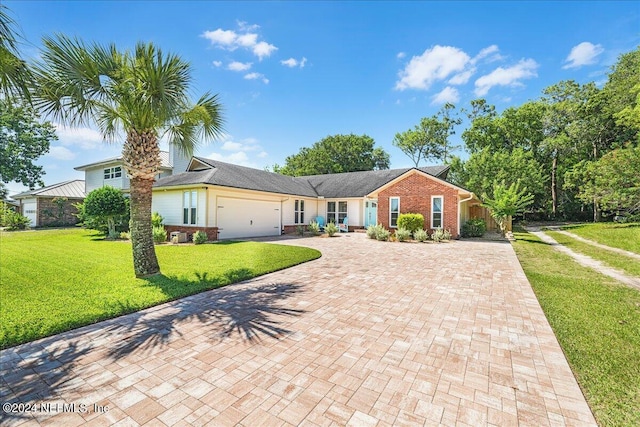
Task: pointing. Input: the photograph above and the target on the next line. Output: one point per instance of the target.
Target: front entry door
(370, 213)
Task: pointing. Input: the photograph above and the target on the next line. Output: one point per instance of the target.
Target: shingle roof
(164, 162)
(71, 189)
(350, 184)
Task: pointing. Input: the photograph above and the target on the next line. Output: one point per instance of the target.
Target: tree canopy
(336, 154)
(23, 139)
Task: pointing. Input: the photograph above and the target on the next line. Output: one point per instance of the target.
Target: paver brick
(384, 334)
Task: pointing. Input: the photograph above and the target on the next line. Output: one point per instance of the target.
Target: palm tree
(141, 94)
(14, 73)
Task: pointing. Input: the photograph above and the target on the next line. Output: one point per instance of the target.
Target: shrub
(159, 235)
(383, 234)
(125, 235)
(157, 220)
(475, 227)
(314, 228)
(200, 237)
(331, 229)
(13, 220)
(411, 221)
(421, 235)
(107, 205)
(440, 235)
(300, 230)
(373, 230)
(402, 234)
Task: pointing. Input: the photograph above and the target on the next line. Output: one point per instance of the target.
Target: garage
(239, 218)
(30, 210)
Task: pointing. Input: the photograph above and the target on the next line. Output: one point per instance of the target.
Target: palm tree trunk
(141, 158)
(145, 262)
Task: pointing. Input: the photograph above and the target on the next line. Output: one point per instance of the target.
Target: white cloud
(584, 53)
(217, 63)
(244, 38)
(292, 62)
(434, 64)
(83, 137)
(240, 152)
(462, 78)
(401, 55)
(256, 76)
(239, 66)
(263, 49)
(60, 153)
(486, 52)
(448, 94)
(510, 76)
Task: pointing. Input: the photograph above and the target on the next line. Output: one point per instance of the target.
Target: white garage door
(247, 218)
(29, 210)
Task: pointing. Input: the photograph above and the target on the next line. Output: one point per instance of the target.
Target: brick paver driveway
(372, 333)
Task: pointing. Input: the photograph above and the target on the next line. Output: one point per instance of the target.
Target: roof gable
(421, 172)
(164, 162)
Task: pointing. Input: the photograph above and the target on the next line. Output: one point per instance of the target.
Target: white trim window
(298, 211)
(112, 173)
(336, 212)
(437, 203)
(394, 211)
(189, 207)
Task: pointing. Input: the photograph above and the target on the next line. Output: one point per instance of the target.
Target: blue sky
(291, 73)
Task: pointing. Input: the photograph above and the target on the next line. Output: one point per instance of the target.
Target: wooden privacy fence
(478, 211)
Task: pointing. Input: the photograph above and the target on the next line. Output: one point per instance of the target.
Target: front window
(336, 212)
(436, 211)
(299, 212)
(189, 205)
(394, 211)
(114, 172)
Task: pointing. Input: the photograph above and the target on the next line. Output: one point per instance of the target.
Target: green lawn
(55, 280)
(596, 321)
(623, 236)
(628, 265)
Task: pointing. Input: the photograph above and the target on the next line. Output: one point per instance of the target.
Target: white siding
(178, 160)
(354, 210)
(288, 210)
(169, 205)
(93, 179)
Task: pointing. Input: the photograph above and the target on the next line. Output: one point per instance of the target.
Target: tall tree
(429, 140)
(336, 154)
(622, 92)
(142, 93)
(15, 75)
(23, 139)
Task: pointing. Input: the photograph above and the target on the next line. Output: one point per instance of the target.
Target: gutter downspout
(460, 202)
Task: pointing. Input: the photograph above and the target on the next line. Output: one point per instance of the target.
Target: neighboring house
(229, 201)
(52, 205)
(111, 172)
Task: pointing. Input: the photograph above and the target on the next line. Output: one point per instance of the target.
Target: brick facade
(52, 214)
(415, 193)
(212, 232)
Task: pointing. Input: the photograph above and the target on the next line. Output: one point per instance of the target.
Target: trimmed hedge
(411, 221)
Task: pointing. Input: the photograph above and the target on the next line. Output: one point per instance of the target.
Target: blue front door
(370, 213)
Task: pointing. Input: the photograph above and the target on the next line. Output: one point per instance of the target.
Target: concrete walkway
(587, 261)
(372, 333)
(597, 245)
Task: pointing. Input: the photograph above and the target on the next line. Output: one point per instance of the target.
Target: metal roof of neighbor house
(72, 189)
(164, 162)
(350, 184)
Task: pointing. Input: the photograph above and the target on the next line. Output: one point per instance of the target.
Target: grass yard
(626, 264)
(623, 236)
(55, 280)
(596, 321)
